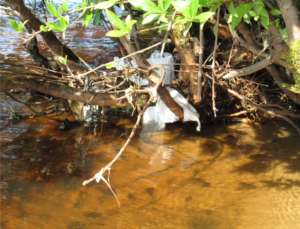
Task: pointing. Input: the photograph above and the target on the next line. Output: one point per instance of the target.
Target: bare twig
(99, 175)
(213, 65)
(199, 92)
(125, 57)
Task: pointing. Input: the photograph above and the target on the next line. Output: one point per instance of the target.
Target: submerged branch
(269, 112)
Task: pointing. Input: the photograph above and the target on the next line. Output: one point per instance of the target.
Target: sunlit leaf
(131, 23)
(55, 27)
(62, 60)
(65, 6)
(122, 5)
(194, 8)
(145, 5)
(106, 5)
(59, 10)
(63, 22)
(43, 28)
(51, 8)
(203, 17)
(161, 5)
(183, 9)
(150, 18)
(167, 4)
(14, 25)
(115, 20)
(116, 33)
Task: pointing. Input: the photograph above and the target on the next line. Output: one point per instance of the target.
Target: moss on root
(292, 61)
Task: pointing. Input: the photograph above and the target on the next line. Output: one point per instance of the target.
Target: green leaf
(247, 8)
(265, 22)
(215, 29)
(97, 18)
(122, 5)
(259, 10)
(240, 11)
(112, 65)
(275, 12)
(235, 22)
(65, 6)
(252, 13)
(185, 20)
(194, 8)
(14, 25)
(183, 9)
(145, 5)
(59, 10)
(20, 27)
(116, 33)
(247, 18)
(187, 28)
(127, 20)
(115, 20)
(43, 28)
(87, 18)
(163, 19)
(167, 4)
(150, 18)
(161, 5)
(53, 26)
(264, 13)
(62, 60)
(140, 101)
(256, 18)
(203, 3)
(130, 24)
(232, 9)
(51, 8)
(203, 17)
(63, 22)
(229, 19)
(106, 5)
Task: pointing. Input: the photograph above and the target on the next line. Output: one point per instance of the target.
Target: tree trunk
(290, 15)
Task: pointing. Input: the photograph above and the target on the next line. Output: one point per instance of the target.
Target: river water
(231, 176)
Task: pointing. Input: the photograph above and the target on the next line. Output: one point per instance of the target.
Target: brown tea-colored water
(230, 176)
(226, 176)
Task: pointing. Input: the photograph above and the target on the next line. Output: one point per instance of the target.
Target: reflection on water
(232, 176)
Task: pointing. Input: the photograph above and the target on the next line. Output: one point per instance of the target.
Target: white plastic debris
(160, 114)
